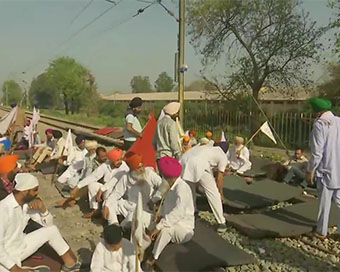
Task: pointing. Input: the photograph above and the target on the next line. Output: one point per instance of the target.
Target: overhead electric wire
(82, 11)
(171, 13)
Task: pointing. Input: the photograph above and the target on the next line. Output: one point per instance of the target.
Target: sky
(115, 47)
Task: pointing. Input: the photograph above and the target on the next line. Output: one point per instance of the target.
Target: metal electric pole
(180, 68)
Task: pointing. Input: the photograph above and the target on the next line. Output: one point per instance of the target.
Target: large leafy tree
(164, 83)
(74, 81)
(335, 23)
(44, 93)
(140, 84)
(331, 88)
(11, 92)
(263, 42)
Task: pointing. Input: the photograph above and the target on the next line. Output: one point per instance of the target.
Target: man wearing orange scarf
(139, 179)
(8, 165)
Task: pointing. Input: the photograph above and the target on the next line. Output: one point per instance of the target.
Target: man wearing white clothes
(199, 165)
(16, 210)
(114, 253)
(324, 162)
(75, 164)
(59, 147)
(238, 157)
(176, 221)
(101, 182)
(139, 179)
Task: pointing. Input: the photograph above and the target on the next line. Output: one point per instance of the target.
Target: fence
(292, 128)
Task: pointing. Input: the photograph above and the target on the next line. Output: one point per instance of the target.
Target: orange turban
(186, 139)
(115, 155)
(8, 163)
(208, 134)
(133, 160)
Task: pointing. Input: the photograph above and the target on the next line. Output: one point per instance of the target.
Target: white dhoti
(213, 195)
(72, 175)
(176, 234)
(41, 153)
(36, 239)
(121, 207)
(325, 201)
(93, 189)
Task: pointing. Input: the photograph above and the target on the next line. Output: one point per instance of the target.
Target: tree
(164, 83)
(140, 84)
(75, 83)
(331, 88)
(43, 93)
(11, 92)
(335, 4)
(199, 85)
(265, 42)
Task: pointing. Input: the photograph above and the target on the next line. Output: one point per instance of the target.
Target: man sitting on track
(45, 150)
(101, 182)
(238, 157)
(16, 210)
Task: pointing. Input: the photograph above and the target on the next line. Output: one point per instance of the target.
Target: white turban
(239, 139)
(204, 141)
(25, 181)
(172, 108)
(91, 145)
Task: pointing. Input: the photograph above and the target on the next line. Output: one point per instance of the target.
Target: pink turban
(115, 155)
(170, 167)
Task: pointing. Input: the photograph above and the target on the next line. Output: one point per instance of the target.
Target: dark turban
(80, 139)
(223, 145)
(57, 134)
(136, 102)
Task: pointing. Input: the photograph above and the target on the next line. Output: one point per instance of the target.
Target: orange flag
(143, 146)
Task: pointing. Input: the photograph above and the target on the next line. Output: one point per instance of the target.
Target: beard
(140, 178)
(28, 198)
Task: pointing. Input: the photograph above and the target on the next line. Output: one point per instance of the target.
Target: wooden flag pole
(137, 257)
(251, 138)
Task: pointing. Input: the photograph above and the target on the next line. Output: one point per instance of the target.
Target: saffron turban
(170, 167)
(204, 141)
(172, 108)
(133, 160)
(223, 145)
(208, 134)
(49, 131)
(115, 155)
(136, 102)
(25, 181)
(320, 104)
(91, 145)
(8, 163)
(186, 139)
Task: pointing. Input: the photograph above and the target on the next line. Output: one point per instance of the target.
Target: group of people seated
(118, 186)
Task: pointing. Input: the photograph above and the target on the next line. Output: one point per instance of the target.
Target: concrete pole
(180, 67)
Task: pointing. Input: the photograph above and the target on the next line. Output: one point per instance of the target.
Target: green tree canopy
(43, 93)
(11, 92)
(331, 88)
(75, 83)
(164, 83)
(263, 42)
(140, 84)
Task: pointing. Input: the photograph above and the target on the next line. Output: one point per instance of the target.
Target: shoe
(147, 267)
(74, 268)
(221, 228)
(39, 268)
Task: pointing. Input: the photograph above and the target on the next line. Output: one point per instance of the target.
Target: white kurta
(199, 164)
(122, 260)
(58, 149)
(239, 163)
(108, 175)
(15, 245)
(73, 173)
(128, 188)
(178, 220)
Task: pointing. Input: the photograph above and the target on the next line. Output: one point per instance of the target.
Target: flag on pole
(69, 147)
(8, 120)
(267, 131)
(223, 139)
(161, 116)
(32, 128)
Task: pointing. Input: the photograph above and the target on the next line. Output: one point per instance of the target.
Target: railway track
(77, 128)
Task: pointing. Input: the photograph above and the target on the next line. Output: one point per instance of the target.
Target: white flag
(35, 117)
(223, 139)
(8, 120)
(266, 130)
(161, 116)
(138, 222)
(69, 147)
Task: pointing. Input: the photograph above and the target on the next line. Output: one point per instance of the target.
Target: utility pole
(180, 68)
(6, 95)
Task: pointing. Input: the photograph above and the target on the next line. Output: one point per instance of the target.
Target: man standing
(101, 182)
(199, 165)
(132, 127)
(166, 138)
(16, 210)
(324, 162)
(176, 220)
(124, 197)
